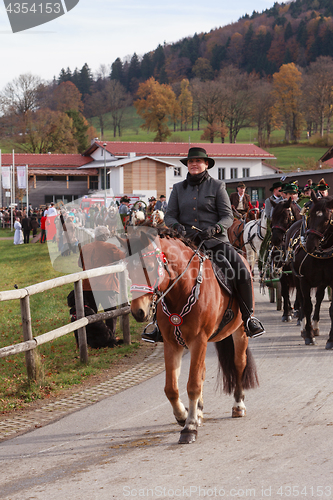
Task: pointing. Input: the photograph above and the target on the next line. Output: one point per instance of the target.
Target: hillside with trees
(269, 70)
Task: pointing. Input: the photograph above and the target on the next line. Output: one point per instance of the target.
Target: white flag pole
(11, 197)
(13, 177)
(27, 192)
(0, 180)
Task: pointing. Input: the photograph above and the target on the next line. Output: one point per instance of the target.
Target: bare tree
(263, 110)
(118, 100)
(318, 92)
(21, 95)
(238, 98)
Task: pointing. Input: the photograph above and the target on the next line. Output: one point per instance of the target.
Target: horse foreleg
(329, 343)
(286, 300)
(320, 293)
(240, 358)
(173, 359)
(194, 391)
(307, 311)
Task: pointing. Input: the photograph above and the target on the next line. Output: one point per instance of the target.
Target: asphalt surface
(125, 445)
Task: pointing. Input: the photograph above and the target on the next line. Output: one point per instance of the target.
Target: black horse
(285, 214)
(311, 259)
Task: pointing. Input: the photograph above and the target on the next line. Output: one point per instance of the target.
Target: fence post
(82, 336)
(30, 358)
(124, 301)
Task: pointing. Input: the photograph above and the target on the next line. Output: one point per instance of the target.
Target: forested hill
(298, 31)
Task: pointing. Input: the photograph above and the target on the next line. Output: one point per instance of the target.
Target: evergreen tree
(86, 80)
(146, 67)
(117, 72)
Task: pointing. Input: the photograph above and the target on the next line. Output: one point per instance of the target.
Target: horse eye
(319, 214)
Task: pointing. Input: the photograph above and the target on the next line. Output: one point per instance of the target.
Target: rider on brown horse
(199, 208)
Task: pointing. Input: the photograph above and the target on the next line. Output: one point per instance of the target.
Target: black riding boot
(253, 326)
(153, 336)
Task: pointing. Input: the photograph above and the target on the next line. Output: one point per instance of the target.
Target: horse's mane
(167, 232)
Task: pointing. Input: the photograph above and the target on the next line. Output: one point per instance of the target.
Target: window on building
(93, 182)
(246, 172)
(49, 178)
(234, 173)
(177, 171)
(221, 174)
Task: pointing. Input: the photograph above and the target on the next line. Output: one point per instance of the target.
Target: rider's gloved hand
(180, 229)
(210, 232)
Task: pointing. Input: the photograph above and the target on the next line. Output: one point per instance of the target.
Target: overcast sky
(98, 31)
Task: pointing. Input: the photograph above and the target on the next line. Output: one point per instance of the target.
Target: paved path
(125, 445)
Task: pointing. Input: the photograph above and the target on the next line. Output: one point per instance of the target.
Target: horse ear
(273, 203)
(145, 240)
(313, 196)
(122, 241)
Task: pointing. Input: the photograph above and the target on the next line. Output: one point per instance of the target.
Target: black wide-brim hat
(198, 153)
(275, 185)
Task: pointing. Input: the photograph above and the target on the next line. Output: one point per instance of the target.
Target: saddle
(224, 283)
(227, 286)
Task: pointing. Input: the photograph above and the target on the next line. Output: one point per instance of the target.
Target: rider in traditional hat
(240, 200)
(321, 188)
(199, 208)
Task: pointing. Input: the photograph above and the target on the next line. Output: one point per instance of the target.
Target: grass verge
(59, 365)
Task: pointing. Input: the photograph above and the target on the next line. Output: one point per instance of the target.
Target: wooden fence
(30, 343)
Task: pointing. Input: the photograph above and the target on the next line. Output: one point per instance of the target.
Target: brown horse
(175, 282)
(236, 230)
(236, 235)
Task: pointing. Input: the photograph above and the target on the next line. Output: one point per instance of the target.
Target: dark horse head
(285, 213)
(320, 224)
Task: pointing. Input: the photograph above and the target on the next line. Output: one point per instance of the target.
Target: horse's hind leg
(173, 358)
(240, 358)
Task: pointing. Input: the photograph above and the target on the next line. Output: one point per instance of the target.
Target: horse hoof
(200, 421)
(303, 333)
(310, 341)
(238, 412)
(329, 345)
(187, 436)
(316, 332)
(286, 319)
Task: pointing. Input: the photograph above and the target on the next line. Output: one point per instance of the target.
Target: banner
(6, 184)
(21, 177)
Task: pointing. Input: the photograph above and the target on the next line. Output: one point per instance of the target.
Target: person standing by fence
(104, 289)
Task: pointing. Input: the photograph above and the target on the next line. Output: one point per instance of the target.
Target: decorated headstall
(162, 266)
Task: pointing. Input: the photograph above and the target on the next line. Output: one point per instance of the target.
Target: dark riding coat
(202, 206)
(234, 199)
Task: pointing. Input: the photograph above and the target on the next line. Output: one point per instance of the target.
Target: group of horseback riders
(201, 210)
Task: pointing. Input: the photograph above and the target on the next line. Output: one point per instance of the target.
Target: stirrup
(253, 327)
(154, 335)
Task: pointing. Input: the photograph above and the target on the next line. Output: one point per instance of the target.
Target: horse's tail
(227, 368)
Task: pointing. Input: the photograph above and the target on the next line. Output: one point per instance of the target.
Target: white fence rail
(30, 343)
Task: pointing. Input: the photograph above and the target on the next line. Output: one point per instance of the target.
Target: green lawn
(59, 364)
(290, 158)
